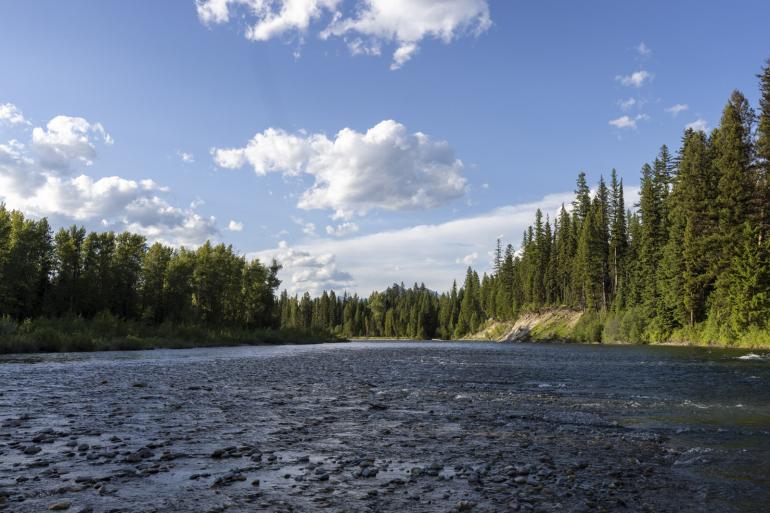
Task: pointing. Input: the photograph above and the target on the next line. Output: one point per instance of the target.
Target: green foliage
(108, 333)
(589, 328)
(691, 264)
(79, 291)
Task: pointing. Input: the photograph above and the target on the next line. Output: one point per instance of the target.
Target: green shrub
(7, 326)
(588, 328)
(632, 326)
(106, 325)
(612, 332)
(47, 339)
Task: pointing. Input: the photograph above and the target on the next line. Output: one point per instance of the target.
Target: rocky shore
(337, 430)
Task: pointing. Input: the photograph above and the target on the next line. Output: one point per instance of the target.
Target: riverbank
(430, 427)
(567, 325)
(107, 333)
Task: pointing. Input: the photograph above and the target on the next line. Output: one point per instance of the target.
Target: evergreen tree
(618, 240)
(763, 152)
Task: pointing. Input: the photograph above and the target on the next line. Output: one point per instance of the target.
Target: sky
(359, 142)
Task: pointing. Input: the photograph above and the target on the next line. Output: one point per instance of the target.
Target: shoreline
(76, 335)
(568, 342)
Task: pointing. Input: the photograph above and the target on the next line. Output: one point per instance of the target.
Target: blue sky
(262, 128)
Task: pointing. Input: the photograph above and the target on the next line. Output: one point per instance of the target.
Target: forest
(80, 291)
(690, 262)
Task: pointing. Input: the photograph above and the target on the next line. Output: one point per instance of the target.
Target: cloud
(635, 79)
(384, 168)
(11, 115)
(677, 108)
(235, 226)
(157, 220)
(185, 157)
(303, 271)
(468, 259)
(425, 253)
(699, 124)
(66, 140)
(273, 17)
(643, 50)
(37, 179)
(402, 54)
(626, 104)
(407, 22)
(366, 26)
(307, 228)
(342, 229)
(626, 122)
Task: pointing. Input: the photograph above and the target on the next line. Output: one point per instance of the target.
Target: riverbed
(387, 426)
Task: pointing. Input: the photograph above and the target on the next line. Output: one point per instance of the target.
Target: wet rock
(229, 478)
(463, 506)
(145, 453)
(60, 506)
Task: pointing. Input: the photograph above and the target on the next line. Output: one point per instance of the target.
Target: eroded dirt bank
(409, 428)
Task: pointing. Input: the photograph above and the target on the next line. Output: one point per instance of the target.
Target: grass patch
(107, 333)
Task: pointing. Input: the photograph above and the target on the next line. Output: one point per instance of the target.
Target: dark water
(708, 411)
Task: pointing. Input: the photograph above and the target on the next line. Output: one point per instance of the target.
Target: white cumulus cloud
(11, 114)
(627, 122)
(699, 125)
(342, 229)
(67, 139)
(37, 179)
(468, 259)
(235, 226)
(384, 168)
(635, 79)
(305, 272)
(366, 25)
(186, 157)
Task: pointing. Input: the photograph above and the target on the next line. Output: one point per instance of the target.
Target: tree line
(73, 273)
(691, 260)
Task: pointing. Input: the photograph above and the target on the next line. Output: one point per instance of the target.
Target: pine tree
(652, 239)
(736, 190)
(748, 281)
(618, 240)
(763, 152)
(582, 203)
(565, 252)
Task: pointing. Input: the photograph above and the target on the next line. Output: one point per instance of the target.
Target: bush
(588, 328)
(106, 325)
(632, 326)
(47, 340)
(7, 326)
(612, 330)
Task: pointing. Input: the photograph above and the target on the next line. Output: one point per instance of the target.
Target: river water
(388, 426)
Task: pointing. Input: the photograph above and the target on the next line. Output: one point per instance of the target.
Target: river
(388, 426)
